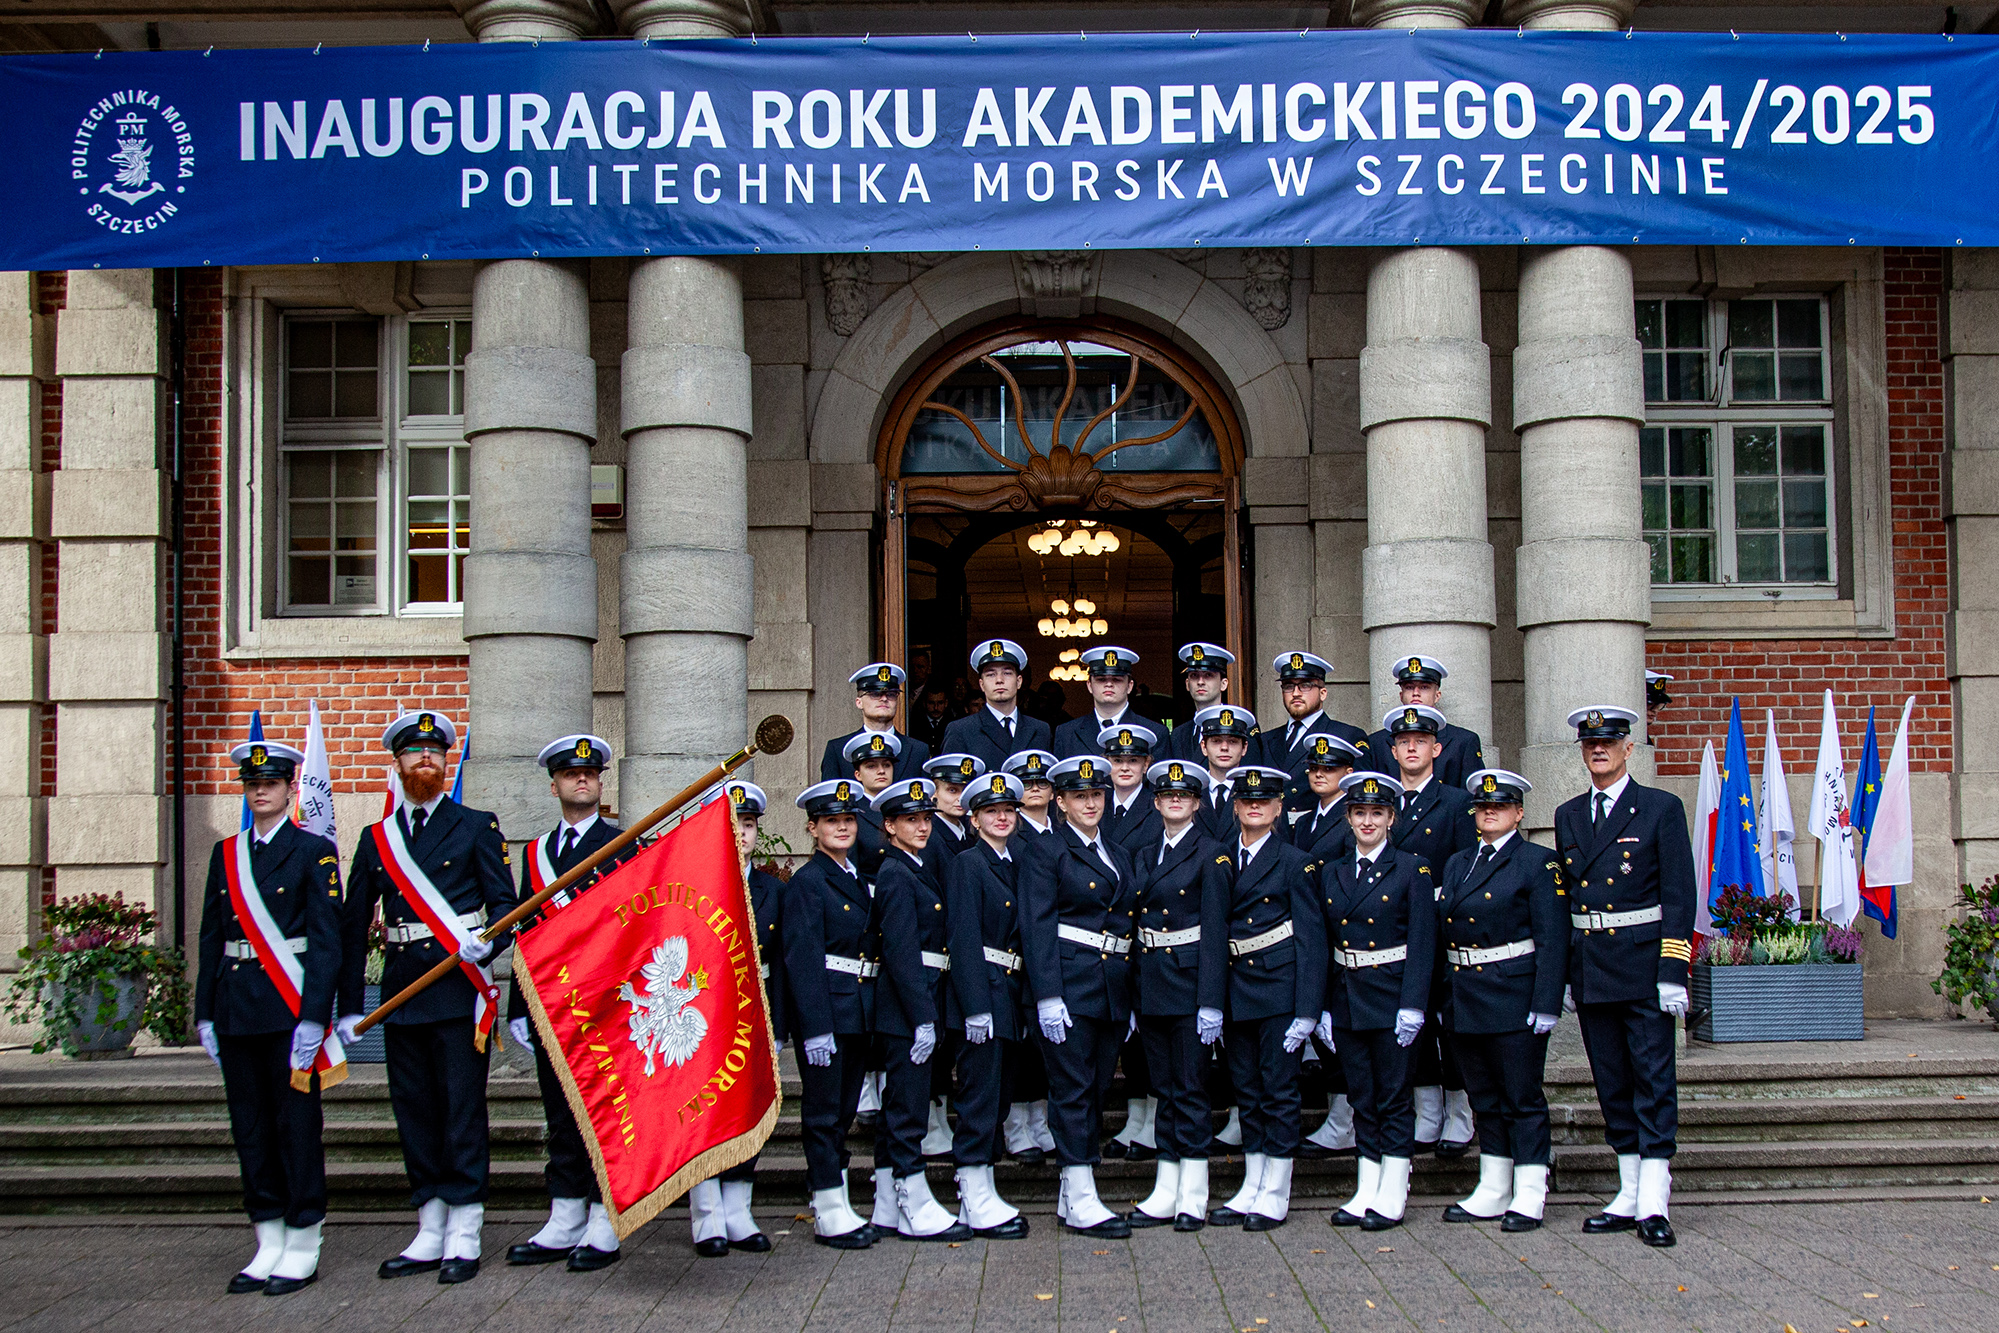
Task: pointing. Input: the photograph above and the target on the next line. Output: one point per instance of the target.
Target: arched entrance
(1063, 483)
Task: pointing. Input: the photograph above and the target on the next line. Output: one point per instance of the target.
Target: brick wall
(1790, 675)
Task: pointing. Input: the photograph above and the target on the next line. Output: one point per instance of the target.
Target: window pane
(1798, 323)
(1805, 557)
(1802, 378)
(429, 393)
(1804, 451)
(1651, 323)
(1661, 573)
(354, 393)
(311, 580)
(311, 342)
(1690, 506)
(355, 472)
(354, 581)
(1755, 451)
(429, 524)
(430, 344)
(356, 525)
(461, 477)
(311, 525)
(430, 471)
(1756, 505)
(1750, 324)
(1686, 377)
(1804, 504)
(355, 342)
(308, 394)
(1686, 324)
(1690, 452)
(1655, 377)
(309, 475)
(1652, 451)
(1755, 376)
(1655, 506)
(1756, 558)
(429, 578)
(1693, 559)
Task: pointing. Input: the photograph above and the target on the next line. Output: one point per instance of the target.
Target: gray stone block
(1275, 481)
(122, 341)
(780, 656)
(24, 504)
(777, 406)
(774, 332)
(111, 422)
(780, 493)
(1972, 322)
(24, 667)
(23, 830)
(90, 731)
(105, 830)
(839, 488)
(105, 502)
(1972, 483)
(1339, 487)
(20, 422)
(1336, 408)
(1425, 378)
(106, 666)
(690, 590)
(1440, 581)
(110, 586)
(1583, 579)
(530, 592)
(1589, 375)
(687, 384)
(531, 388)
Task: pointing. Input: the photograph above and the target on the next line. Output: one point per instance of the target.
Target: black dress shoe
(1114, 1151)
(243, 1284)
(867, 1119)
(588, 1259)
(1029, 1156)
(1140, 1219)
(1188, 1222)
(715, 1247)
(1138, 1152)
(858, 1239)
(527, 1252)
(755, 1243)
(1014, 1228)
(1605, 1223)
(868, 1229)
(1451, 1151)
(1111, 1228)
(1376, 1222)
(1343, 1218)
(1312, 1152)
(285, 1286)
(452, 1271)
(954, 1233)
(1224, 1217)
(1422, 1147)
(402, 1267)
(1258, 1222)
(1519, 1222)
(1657, 1232)
(1454, 1213)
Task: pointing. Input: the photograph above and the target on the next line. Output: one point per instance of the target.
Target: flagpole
(774, 735)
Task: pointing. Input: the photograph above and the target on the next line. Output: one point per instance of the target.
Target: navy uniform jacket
(1286, 979)
(593, 837)
(1215, 819)
(1324, 837)
(1079, 734)
(298, 874)
(982, 908)
(827, 911)
(1641, 859)
(1137, 826)
(767, 906)
(1064, 883)
(1463, 755)
(979, 733)
(1183, 743)
(909, 904)
(908, 764)
(1180, 887)
(1269, 749)
(1517, 895)
(1438, 826)
(1025, 833)
(463, 854)
(1390, 905)
(945, 844)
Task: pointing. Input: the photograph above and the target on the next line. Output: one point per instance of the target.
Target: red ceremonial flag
(648, 986)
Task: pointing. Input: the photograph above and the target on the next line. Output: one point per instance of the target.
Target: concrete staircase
(1916, 1107)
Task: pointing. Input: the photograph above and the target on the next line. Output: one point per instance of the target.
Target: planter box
(369, 1050)
(1798, 1002)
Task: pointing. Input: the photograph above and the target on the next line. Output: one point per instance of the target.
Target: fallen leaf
(1858, 1323)
(1099, 1251)
(1959, 1097)
(1789, 1329)
(1870, 1295)
(1953, 1268)
(1384, 1249)
(1547, 1286)
(1318, 1251)
(953, 1245)
(1044, 1295)
(1263, 1321)
(1683, 1288)
(1370, 1305)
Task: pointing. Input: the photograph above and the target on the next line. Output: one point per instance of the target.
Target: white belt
(1093, 940)
(763, 970)
(1370, 957)
(1001, 958)
(940, 961)
(853, 967)
(1166, 939)
(1237, 948)
(412, 931)
(245, 949)
(1645, 916)
(1497, 954)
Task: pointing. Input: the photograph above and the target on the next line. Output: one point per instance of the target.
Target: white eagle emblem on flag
(664, 1022)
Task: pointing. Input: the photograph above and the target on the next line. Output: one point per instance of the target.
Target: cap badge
(1490, 784)
(258, 754)
(1415, 664)
(1124, 737)
(1252, 779)
(915, 791)
(424, 722)
(1110, 659)
(877, 744)
(583, 749)
(843, 792)
(1370, 788)
(885, 674)
(1408, 717)
(996, 650)
(1085, 771)
(737, 794)
(1320, 747)
(1227, 718)
(1175, 773)
(1297, 661)
(1034, 763)
(999, 784)
(965, 767)
(1196, 653)
(1595, 718)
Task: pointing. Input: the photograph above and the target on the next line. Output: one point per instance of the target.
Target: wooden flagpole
(774, 736)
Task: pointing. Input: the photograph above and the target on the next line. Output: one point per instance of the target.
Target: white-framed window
(375, 471)
(1737, 452)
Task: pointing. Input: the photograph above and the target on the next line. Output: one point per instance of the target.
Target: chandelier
(1061, 626)
(1069, 668)
(1086, 538)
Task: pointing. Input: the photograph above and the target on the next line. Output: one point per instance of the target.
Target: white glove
(523, 1031)
(1673, 999)
(1131, 1027)
(1295, 1035)
(476, 951)
(819, 1051)
(1208, 1026)
(1325, 1030)
(979, 1029)
(1053, 1016)
(345, 1025)
(1408, 1022)
(206, 1031)
(1542, 1024)
(924, 1044)
(1568, 999)
(307, 1038)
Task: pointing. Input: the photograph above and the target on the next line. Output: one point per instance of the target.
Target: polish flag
(1707, 806)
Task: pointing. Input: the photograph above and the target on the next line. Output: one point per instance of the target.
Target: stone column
(1971, 321)
(686, 594)
(27, 350)
(1585, 592)
(107, 662)
(530, 416)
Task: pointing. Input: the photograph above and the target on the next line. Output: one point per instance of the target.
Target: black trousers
(277, 1130)
(945, 1061)
(985, 1075)
(1079, 1074)
(1178, 1065)
(1436, 1059)
(437, 1085)
(828, 1098)
(1381, 1088)
(1503, 1079)
(1030, 1072)
(1135, 1065)
(1266, 1085)
(569, 1173)
(1630, 1047)
(905, 1109)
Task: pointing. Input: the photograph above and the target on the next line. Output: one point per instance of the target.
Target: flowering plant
(1971, 949)
(1754, 930)
(94, 942)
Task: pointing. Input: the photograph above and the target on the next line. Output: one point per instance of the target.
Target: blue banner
(1007, 143)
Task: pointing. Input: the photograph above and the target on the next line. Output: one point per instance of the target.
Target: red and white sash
(280, 964)
(541, 872)
(442, 918)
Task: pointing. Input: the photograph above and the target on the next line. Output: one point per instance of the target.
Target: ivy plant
(92, 943)
(1971, 947)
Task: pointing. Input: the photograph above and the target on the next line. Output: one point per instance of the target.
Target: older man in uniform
(439, 872)
(1421, 681)
(999, 726)
(1630, 870)
(1301, 678)
(269, 961)
(1204, 671)
(877, 694)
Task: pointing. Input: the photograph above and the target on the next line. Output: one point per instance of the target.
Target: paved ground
(1894, 1266)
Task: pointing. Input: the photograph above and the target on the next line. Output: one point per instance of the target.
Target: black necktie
(417, 818)
(1008, 723)
(1241, 858)
(1483, 859)
(1408, 799)
(568, 841)
(1291, 736)
(1597, 811)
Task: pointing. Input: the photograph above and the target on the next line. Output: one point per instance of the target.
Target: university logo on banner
(649, 988)
(131, 158)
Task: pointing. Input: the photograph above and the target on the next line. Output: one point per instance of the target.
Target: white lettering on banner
(136, 125)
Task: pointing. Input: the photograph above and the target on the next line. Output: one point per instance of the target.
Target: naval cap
(1412, 717)
(1498, 786)
(878, 678)
(955, 769)
(1029, 765)
(1224, 720)
(1418, 668)
(911, 796)
(1602, 723)
(579, 751)
(1300, 665)
(1372, 789)
(1256, 782)
(865, 745)
(747, 798)
(1655, 689)
(1127, 740)
(1177, 775)
(1109, 660)
(1203, 656)
(423, 727)
(1081, 773)
(1326, 750)
(257, 760)
(999, 652)
(839, 796)
(994, 789)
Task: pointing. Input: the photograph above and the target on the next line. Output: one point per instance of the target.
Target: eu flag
(256, 734)
(1738, 861)
(1877, 903)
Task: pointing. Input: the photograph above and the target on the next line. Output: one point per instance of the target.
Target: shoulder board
(1423, 869)
(494, 824)
(1361, 743)
(329, 860)
(1223, 861)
